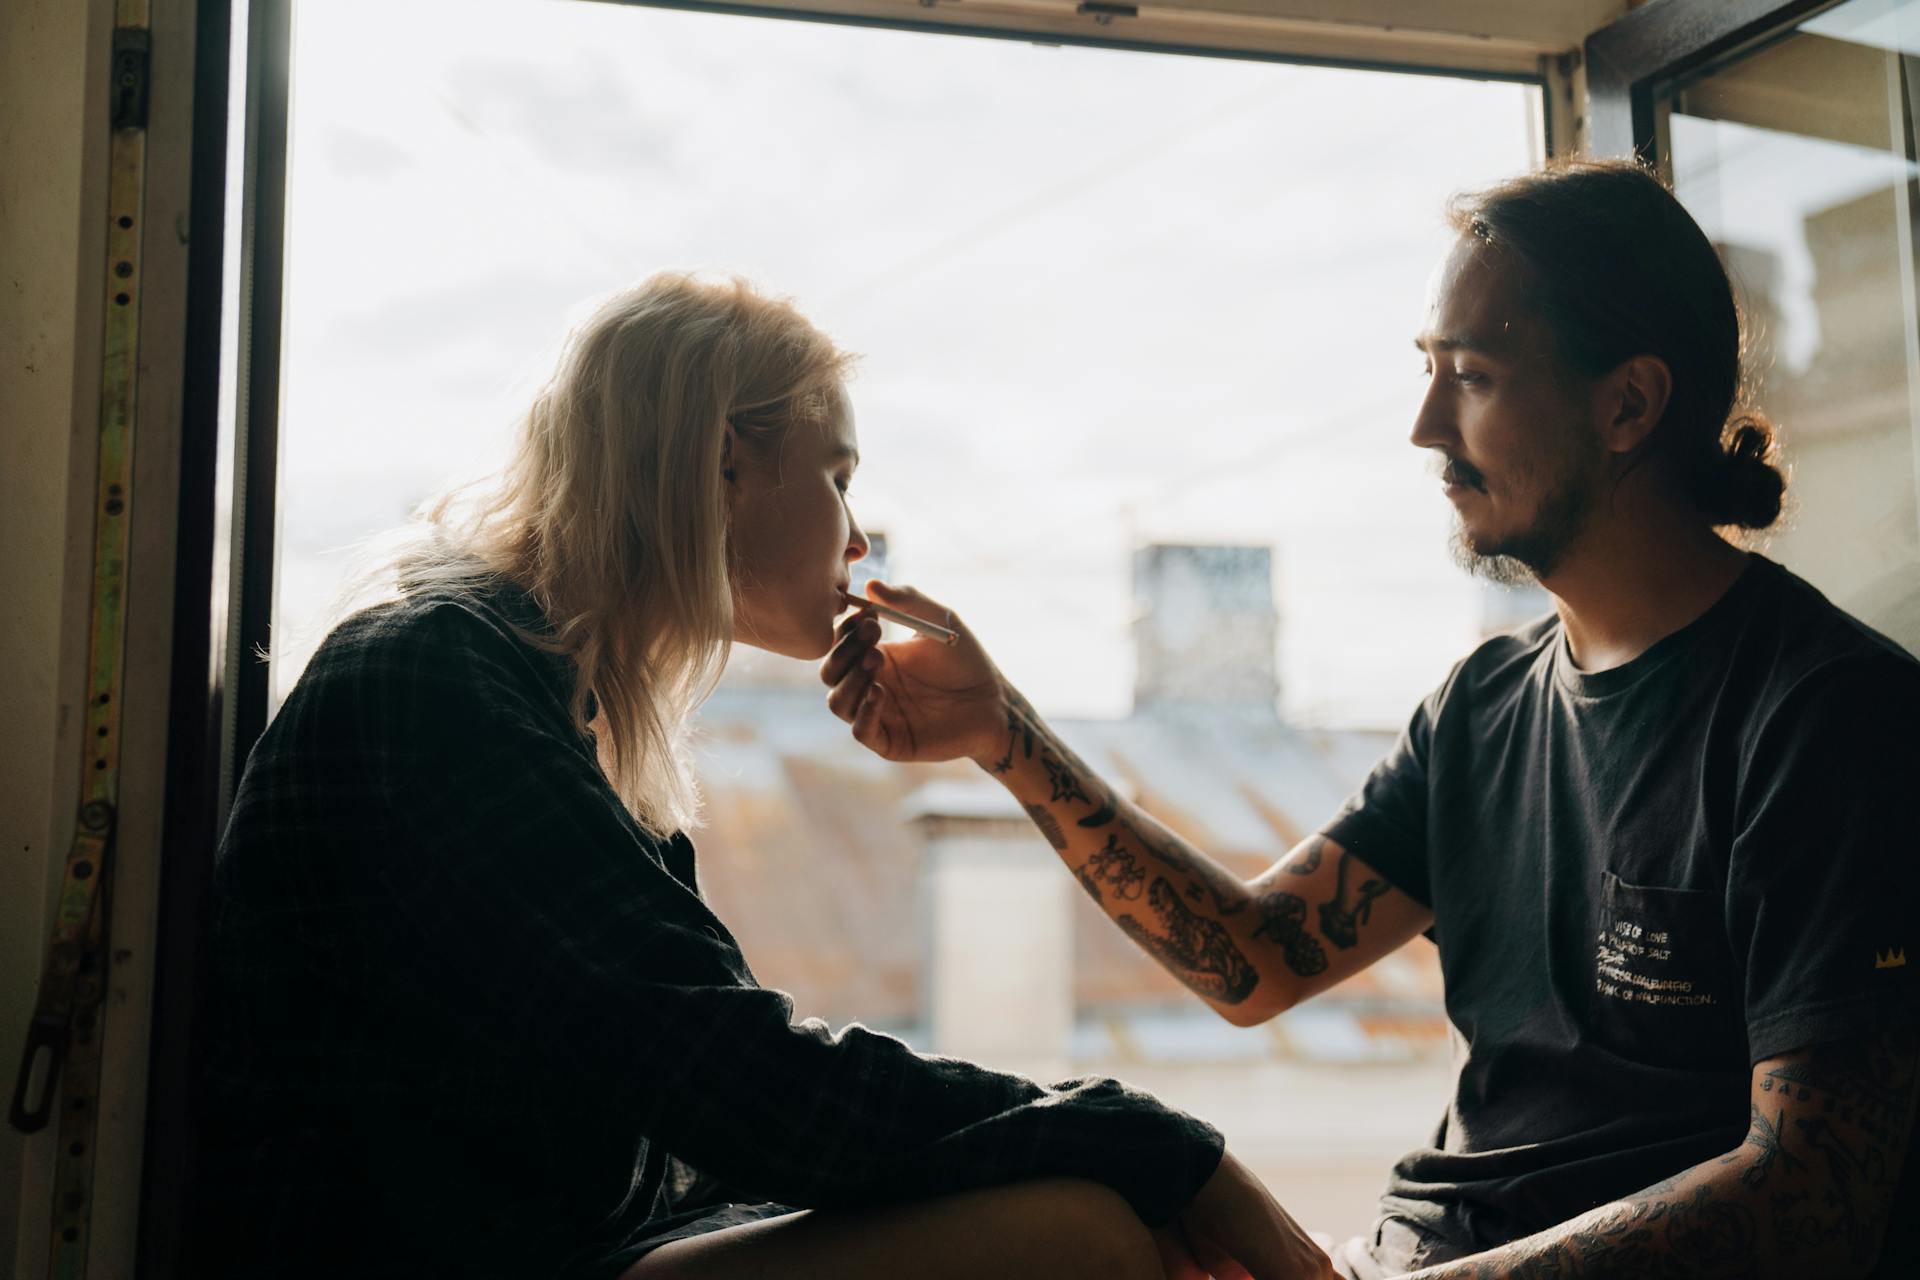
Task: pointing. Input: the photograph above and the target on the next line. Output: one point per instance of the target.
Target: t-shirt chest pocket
(1665, 989)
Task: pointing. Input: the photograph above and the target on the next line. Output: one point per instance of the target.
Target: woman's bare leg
(1057, 1229)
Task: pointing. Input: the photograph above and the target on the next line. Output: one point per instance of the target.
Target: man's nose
(857, 542)
(1433, 425)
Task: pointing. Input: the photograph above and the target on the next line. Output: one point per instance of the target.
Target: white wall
(54, 64)
(52, 134)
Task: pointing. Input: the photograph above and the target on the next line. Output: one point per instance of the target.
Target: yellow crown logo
(1889, 959)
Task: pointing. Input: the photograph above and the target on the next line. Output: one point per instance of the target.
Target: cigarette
(932, 630)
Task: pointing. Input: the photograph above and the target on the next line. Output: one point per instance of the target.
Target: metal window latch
(1104, 13)
(74, 979)
(128, 94)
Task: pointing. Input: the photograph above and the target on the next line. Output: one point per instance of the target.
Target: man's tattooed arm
(1116, 851)
(1198, 951)
(1252, 949)
(1808, 1193)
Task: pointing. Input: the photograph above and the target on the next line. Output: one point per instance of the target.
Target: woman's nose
(857, 543)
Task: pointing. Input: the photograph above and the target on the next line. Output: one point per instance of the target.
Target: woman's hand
(1234, 1228)
(915, 699)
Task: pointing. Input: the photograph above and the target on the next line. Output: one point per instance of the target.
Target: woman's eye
(1468, 378)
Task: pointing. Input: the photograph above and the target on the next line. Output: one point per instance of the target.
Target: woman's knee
(1095, 1233)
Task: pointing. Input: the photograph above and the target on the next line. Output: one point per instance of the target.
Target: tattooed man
(1665, 838)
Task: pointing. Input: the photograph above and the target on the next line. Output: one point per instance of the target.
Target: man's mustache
(1461, 472)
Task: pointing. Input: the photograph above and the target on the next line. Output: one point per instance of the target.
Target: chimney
(998, 929)
(1205, 629)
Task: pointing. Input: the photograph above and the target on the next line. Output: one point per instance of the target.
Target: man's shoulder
(1503, 663)
(1796, 641)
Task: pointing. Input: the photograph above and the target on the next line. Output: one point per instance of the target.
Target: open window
(1134, 395)
(1789, 133)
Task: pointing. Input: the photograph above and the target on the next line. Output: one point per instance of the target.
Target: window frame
(225, 591)
(1628, 60)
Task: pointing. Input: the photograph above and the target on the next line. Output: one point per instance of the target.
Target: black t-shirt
(1645, 880)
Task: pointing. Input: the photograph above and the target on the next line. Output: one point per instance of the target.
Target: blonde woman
(470, 1013)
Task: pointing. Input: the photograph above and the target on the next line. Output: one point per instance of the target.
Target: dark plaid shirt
(464, 1006)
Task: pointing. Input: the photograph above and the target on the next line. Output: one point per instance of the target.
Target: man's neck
(1636, 578)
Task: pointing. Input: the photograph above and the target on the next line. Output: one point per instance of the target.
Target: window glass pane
(1798, 160)
(1136, 387)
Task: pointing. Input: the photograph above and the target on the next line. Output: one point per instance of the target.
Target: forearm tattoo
(1198, 951)
(1049, 825)
(1807, 1193)
(1175, 857)
(1832, 1151)
(1061, 777)
(1102, 816)
(1070, 780)
(1020, 729)
(1283, 918)
(1340, 924)
(1114, 867)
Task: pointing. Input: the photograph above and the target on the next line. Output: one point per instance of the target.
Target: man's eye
(1468, 378)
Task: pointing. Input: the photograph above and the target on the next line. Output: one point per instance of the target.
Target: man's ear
(1633, 399)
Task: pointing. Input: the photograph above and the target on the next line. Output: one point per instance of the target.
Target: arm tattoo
(1283, 918)
(1069, 779)
(1116, 868)
(1197, 950)
(1049, 825)
(1061, 777)
(1847, 1110)
(1766, 1135)
(1809, 1192)
(1102, 816)
(1175, 856)
(1665, 1234)
(1019, 734)
(1340, 924)
(1316, 847)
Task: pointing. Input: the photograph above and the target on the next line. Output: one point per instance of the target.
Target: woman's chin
(810, 646)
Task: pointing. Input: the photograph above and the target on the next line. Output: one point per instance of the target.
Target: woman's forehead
(837, 429)
(830, 435)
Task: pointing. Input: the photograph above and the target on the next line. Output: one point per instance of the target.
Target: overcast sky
(1102, 298)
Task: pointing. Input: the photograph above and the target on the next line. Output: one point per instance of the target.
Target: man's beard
(1525, 556)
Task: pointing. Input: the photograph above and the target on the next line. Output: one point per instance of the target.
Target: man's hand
(917, 699)
(1235, 1229)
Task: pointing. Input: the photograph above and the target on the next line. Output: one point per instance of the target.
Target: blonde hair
(612, 514)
